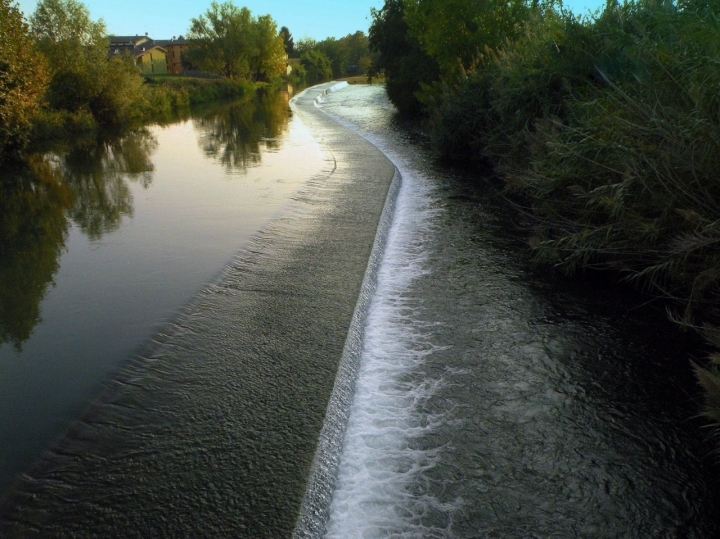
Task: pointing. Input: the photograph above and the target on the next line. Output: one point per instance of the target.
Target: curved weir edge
(315, 507)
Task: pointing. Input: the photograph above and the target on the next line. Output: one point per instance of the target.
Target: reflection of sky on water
(153, 219)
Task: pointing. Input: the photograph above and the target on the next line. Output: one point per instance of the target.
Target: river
(497, 401)
(484, 398)
(105, 241)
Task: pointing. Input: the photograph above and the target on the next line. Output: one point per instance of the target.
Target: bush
(164, 95)
(627, 179)
(316, 67)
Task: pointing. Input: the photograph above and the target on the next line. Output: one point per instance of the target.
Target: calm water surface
(101, 244)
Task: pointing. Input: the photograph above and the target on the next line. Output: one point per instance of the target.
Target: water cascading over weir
(213, 429)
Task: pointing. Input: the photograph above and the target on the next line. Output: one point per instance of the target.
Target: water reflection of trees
(98, 174)
(33, 228)
(235, 134)
(88, 184)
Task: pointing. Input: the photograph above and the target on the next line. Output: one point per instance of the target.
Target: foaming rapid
(377, 468)
(376, 491)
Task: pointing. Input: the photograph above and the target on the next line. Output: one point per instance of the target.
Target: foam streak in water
(375, 492)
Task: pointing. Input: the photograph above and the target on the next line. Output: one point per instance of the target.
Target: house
(175, 50)
(150, 57)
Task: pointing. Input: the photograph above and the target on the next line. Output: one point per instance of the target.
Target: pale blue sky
(318, 19)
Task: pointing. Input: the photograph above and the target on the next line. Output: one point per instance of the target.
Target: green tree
(304, 45)
(399, 54)
(269, 58)
(231, 42)
(75, 48)
(23, 79)
(337, 53)
(221, 40)
(288, 41)
(358, 54)
(317, 66)
(456, 32)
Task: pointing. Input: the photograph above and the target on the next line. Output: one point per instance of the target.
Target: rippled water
(211, 429)
(101, 243)
(493, 401)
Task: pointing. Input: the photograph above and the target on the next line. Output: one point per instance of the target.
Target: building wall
(174, 58)
(153, 62)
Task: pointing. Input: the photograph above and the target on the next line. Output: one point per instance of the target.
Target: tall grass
(606, 132)
(624, 174)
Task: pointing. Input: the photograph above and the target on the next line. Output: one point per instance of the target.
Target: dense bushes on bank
(605, 131)
(609, 131)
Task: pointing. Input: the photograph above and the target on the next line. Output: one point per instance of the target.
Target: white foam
(374, 495)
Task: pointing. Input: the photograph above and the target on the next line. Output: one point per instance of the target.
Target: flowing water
(492, 401)
(205, 276)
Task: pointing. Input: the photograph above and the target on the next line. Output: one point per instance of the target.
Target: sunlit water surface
(104, 243)
(496, 402)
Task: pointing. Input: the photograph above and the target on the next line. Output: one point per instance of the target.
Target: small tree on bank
(316, 66)
(75, 47)
(270, 58)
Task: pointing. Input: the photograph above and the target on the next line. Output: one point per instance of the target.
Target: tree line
(603, 129)
(55, 75)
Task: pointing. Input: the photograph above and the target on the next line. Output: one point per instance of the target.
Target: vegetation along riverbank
(61, 74)
(603, 129)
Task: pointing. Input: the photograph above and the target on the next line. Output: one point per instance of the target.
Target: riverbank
(158, 99)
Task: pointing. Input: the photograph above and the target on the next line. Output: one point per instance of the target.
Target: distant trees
(316, 66)
(348, 55)
(288, 41)
(23, 79)
(231, 42)
(334, 58)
